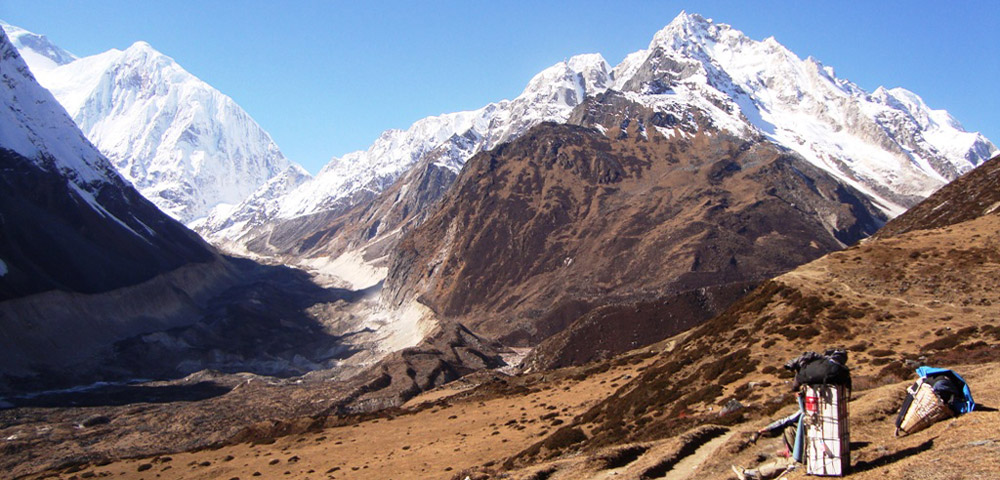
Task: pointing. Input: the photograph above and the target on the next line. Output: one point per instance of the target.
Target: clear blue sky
(327, 77)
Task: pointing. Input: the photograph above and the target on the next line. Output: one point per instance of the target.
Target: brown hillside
(925, 297)
(655, 412)
(538, 232)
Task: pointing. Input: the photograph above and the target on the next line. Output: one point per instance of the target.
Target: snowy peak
(694, 74)
(568, 83)
(183, 144)
(888, 144)
(68, 221)
(36, 49)
(686, 29)
(906, 101)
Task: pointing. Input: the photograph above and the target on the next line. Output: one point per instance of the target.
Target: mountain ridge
(893, 148)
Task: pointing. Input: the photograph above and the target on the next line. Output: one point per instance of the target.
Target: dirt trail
(688, 466)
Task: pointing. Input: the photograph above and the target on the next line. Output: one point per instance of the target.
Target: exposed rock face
(566, 215)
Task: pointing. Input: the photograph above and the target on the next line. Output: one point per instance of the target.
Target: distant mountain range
(888, 144)
(196, 154)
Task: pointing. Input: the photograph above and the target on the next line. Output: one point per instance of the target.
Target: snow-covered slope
(36, 50)
(549, 96)
(36, 126)
(888, 144)
(453, 137)
(67, 218)
(183, 144)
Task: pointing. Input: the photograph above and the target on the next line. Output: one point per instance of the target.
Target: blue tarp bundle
(962, 405)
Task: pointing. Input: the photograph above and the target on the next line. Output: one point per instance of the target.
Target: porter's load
(812, 368)
(938, 394)
(827, 430)
(817, 433)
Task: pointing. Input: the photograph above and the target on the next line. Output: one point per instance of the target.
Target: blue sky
(327, 77)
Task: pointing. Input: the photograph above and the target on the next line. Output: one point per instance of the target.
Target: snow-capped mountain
(453, 138)
(183, 144)
(68, 220)
(888, 144)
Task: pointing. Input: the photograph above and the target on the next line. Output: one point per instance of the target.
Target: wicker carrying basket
(925, 410)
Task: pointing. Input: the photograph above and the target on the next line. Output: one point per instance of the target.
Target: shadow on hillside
(892, 457)
(117, 395)
(263, 322)
(261, 325)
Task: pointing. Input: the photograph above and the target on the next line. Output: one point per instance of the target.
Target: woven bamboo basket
(925, 410)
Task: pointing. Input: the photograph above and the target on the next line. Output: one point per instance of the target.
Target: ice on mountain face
(888, 144)
(227, 222)
(184, 145)
(34, 125)
(37, 50)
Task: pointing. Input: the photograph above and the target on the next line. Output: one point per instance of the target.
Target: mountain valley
(599, 278)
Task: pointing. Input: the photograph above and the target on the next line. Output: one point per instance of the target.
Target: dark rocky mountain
(537, 234)
(53, 237)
